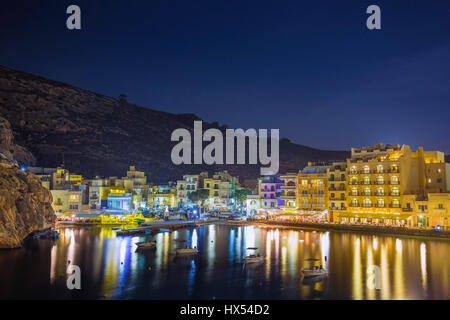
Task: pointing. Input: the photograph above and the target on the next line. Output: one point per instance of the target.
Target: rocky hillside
(25, 206)
(98, 135)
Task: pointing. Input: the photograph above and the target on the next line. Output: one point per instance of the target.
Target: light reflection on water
(112, 268)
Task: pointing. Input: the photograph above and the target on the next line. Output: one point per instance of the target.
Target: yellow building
(312, 187)
(337, 198)
(387, 183)
(306, 190)
(222, 191)
(162, 196)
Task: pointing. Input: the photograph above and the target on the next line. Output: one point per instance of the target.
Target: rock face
(25, 206)
(10, 150)
(98, 135)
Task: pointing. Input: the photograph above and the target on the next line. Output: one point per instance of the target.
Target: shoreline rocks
(25, 206)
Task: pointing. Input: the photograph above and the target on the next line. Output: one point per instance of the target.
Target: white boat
(187, 251)
(146, 244)
(314, 272)
(253, 258)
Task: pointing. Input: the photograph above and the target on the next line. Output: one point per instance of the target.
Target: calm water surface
(112, 268)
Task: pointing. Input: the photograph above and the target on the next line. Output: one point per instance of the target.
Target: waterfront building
(182, 194)
(66, 200)
(222, 191)
(44, 174)
(98, 193)
(392, 185)
(306, 190)
(337, 188)
(269, 190)
(289, 191)
(135, 182)
(162, 196)
(119, 200)
(312, 187)
(190, 183)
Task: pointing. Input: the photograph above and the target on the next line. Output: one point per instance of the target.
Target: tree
(199, 195)
(241, 196)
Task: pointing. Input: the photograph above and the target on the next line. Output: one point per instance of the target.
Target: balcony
(394, 206)
(336, 199)
(407, 209)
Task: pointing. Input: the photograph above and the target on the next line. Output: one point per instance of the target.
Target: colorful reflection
(113, 268)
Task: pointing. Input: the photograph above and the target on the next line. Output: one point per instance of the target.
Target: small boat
(252, 248)
(116, 228)
(164, 230)
(146, 244)
(314, 272)
(187, 251)
(254, 258)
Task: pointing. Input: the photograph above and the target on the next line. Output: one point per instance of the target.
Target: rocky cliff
(99, 135)
(25, 206)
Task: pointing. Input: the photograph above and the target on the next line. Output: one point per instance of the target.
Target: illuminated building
(222, 191)
(337, 180)
(289, 191)
(162, 196)
(190, 183)
(307, 189)
(312, 187)
(393, 185)
(269, 190)
(119, 200)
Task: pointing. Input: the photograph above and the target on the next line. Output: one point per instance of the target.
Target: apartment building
(269, 190)
(387, 183)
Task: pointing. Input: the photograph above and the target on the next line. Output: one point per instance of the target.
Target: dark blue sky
(310, 68)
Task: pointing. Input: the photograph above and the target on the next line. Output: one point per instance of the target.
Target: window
(395, 192)
(353, 170)
(320, 182)
(440, 206)
(354, 192)
(380, 203)
(394, 180)
(380, 192)
(395, 203)
(304, 182)
(366, 180)
(380, 168)
(380, 180)
(367, 192)
(439, 180)
(367, 203)
(366, 169)
(354, 203)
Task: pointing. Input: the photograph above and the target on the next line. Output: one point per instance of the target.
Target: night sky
(310, 68)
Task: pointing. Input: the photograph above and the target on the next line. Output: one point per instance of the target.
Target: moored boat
(254, 258)
(187, 251)
(146, 244)
(315, 271)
